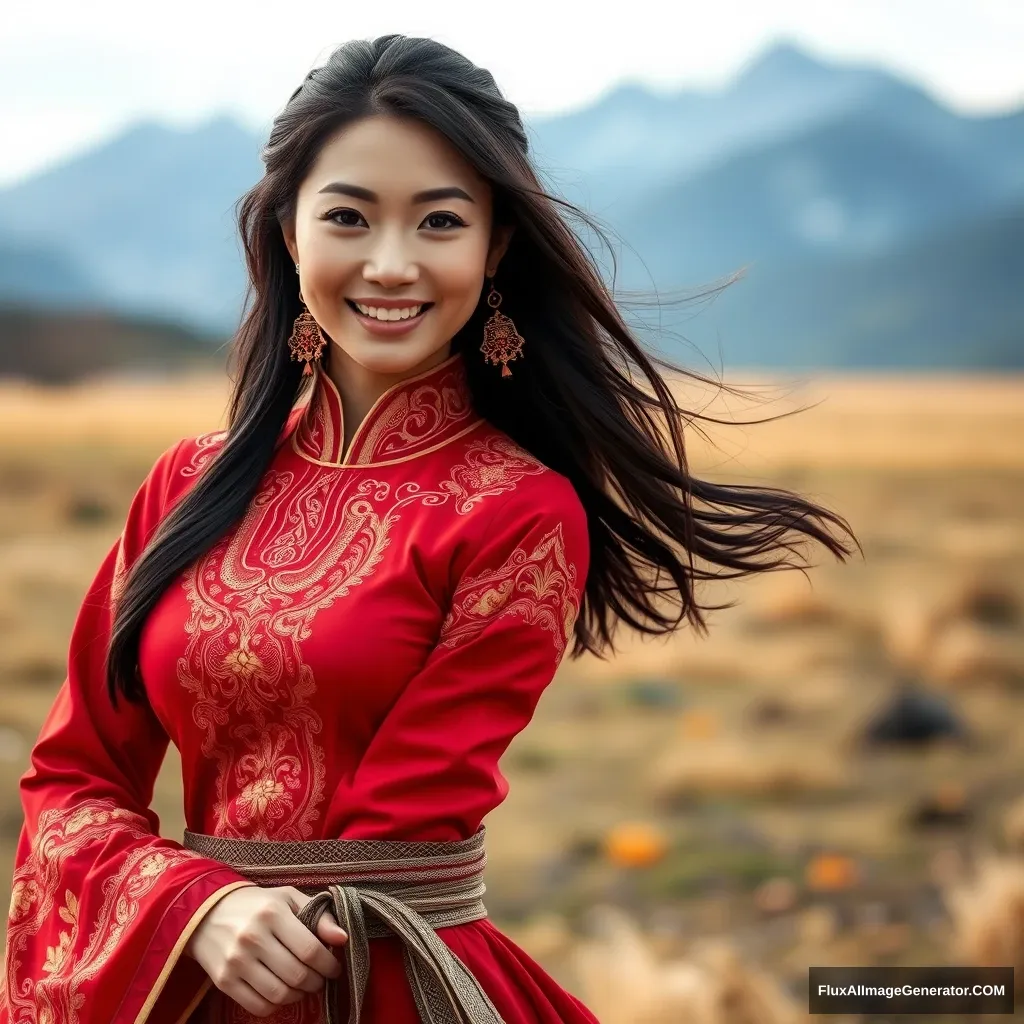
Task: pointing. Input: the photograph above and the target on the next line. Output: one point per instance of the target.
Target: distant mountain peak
(628, 95)
(784, 62)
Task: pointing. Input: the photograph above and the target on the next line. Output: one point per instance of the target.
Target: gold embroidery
(62, 834)
(413, 417)
(244, 664)
(308, 538)
(492, 466)
(537, 584)
(315, 434)
(207, 446)
(24, 894)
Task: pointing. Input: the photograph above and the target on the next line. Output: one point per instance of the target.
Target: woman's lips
(389, 328)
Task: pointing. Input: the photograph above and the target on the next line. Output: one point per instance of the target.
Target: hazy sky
(72, 74)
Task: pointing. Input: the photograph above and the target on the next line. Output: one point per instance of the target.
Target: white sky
(75, 73)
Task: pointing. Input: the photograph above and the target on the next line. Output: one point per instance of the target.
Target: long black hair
(573, 403)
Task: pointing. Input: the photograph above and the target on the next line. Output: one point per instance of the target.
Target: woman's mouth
(406, 319)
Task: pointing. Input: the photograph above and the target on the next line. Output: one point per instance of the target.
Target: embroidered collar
(412, 417)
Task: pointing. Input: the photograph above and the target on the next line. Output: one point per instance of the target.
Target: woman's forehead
(394, 156)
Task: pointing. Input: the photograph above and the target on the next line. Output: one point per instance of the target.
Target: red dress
(350, 661)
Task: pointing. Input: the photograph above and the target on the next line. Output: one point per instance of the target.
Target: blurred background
(833, 776)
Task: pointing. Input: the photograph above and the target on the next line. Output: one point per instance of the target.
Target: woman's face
(363, 231)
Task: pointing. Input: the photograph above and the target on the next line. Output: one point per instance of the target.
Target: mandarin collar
(414, 416)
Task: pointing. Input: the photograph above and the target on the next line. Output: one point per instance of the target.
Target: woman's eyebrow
(430, 195)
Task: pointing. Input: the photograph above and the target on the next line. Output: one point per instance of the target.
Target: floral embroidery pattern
(63, 834)
(537, 584)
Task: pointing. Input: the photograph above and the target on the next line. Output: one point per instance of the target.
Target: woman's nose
(390, 263)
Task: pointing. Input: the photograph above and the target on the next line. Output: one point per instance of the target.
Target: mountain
(949, 300)
(851, 185)
(835, 185)
(631, 139)
(43, 275)
(149, 217)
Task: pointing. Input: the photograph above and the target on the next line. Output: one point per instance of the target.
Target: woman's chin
(392, 356)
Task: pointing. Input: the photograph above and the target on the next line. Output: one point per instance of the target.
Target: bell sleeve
(101, 905)
(431, 770)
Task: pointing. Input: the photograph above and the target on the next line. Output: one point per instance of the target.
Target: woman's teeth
(388, 314)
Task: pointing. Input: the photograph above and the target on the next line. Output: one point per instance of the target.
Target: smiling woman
(413, 266)
(344, 608)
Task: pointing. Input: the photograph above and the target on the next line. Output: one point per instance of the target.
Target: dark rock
(914, 717)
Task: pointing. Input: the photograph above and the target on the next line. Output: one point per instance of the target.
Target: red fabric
(350, 661)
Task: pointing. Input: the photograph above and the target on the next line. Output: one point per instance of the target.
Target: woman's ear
(288, 231)
(501, 235)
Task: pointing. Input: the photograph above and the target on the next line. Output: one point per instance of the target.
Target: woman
(342, 611)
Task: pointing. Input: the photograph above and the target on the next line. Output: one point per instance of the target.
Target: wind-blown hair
(572, 402)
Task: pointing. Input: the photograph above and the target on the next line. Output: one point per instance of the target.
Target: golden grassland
(693, 821)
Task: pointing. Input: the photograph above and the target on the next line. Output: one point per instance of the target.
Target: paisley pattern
(206, 445)
(308, 538)
(421, 414)
(538, 585)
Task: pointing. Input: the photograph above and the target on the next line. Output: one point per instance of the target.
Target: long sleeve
(101, 905)
(431, 770)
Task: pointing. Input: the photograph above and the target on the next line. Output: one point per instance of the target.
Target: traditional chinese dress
(350, 661)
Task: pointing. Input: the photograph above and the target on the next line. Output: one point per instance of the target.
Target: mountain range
(874, 226)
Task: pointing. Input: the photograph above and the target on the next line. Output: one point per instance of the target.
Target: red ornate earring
(307, 340)
(502, 343)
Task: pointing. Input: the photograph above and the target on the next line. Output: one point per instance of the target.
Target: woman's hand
(257, 951)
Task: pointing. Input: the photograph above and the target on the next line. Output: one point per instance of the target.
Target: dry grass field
(692, 822)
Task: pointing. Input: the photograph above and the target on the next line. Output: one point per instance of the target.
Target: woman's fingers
(256, 950)
(295, 973)
(306, 947)
(327, 927)
(269, 986)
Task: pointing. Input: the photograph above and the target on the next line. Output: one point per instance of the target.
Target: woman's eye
(331, 214)
(448, 221)
(456, 221)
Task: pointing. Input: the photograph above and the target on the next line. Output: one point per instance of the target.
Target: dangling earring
(306, 341)
(501, 341)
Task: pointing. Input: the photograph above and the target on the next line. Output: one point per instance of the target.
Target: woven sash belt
(410, 888)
